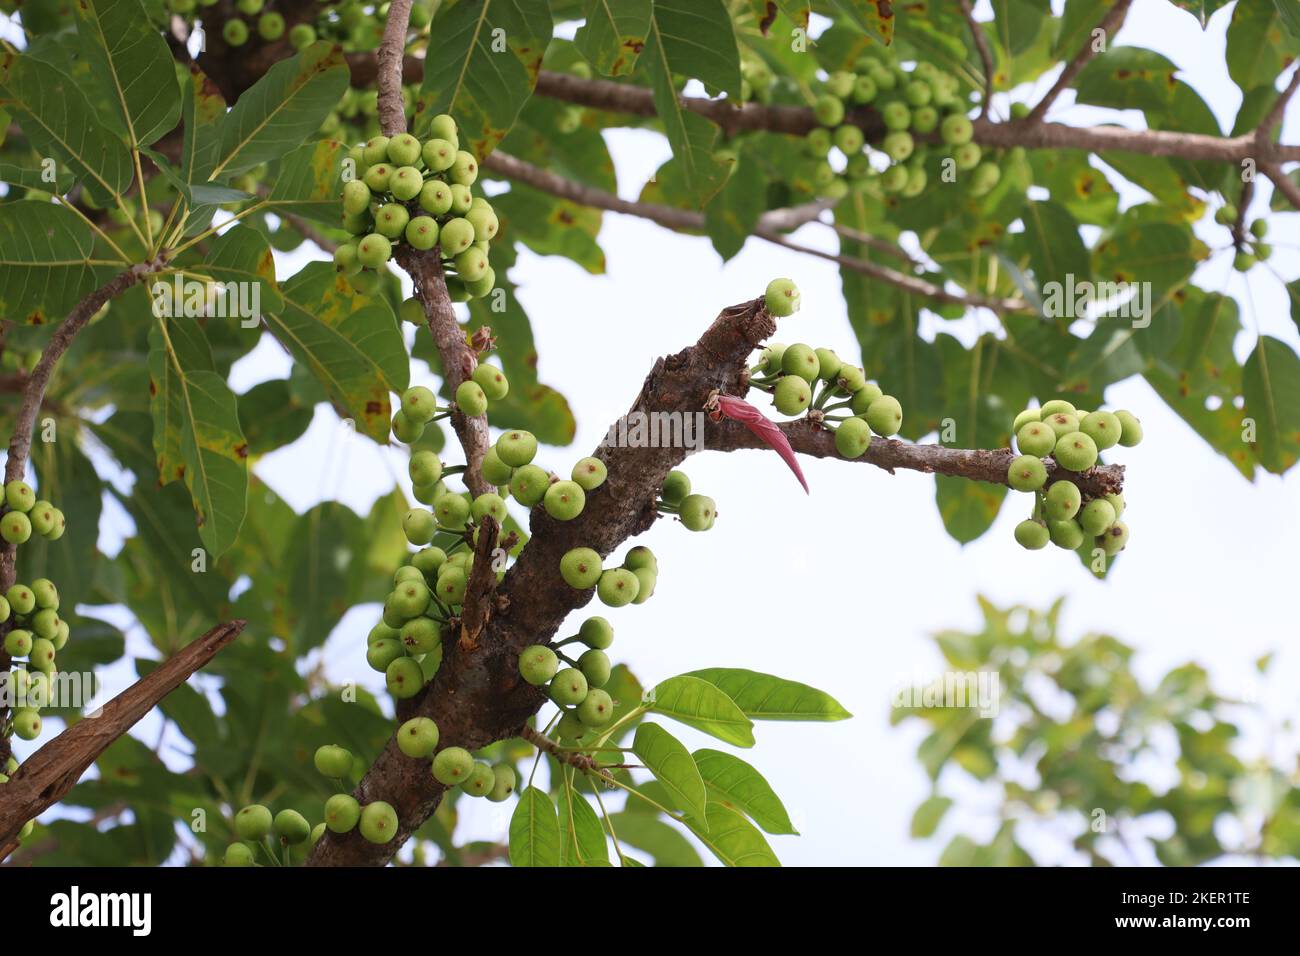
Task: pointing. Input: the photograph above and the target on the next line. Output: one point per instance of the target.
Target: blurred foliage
(1084, 761)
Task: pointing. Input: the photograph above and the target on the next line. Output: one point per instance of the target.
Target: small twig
(986, 56)
(477, 607)
(693, 221)
(1109, 26)
(1274, 117)
(392, 111)
(583, 762)
(1283, 183)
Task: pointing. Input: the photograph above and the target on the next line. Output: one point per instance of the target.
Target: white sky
(1207, 577)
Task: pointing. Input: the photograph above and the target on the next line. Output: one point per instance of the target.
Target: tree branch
(51, 771)
(1274, 117)
(392, 111)
(986, 56)
(988, 465)
(1109, 26)
(767, 228)
(1283, 183)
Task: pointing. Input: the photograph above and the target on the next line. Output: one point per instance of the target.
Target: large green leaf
(1161, 253)
(733, 839)
(129, 58)
(202, 106)
(534, 831)
(614, 34)
(873, 18)
(699, 704)
(196, 420)
(1260, 46)
(281, 110)
(661, 840)
(673, 766)
(57, 119)
(488, 55)
(673, 48)
(1056, 251)
(582, 837)
(1271, 384)
(350, 343)
(765, 697)
(308, 182)
(733, 782)
(47, 261)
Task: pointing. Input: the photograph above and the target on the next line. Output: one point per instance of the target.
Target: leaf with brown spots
(614, 34)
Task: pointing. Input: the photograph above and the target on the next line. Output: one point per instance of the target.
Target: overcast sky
(1208, 574)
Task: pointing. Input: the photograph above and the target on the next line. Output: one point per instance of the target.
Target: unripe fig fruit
(405, 184)
(596, 632)
(538, 664)
(782, 297)
(452, 766)
(457, 235)
(1037, 439)
(292, 827)
(419, 526)
(1104, 428)
(1075, 452)
(698, 512)
(792, 395)
(640, 557)
(1063, 500)
(1097, 515)
(801, 360)
(1056, 405)
(422, 233)
(564, 500)
(253, 822)
(27, 723)
(21, 599)
(470, 398)
(676, 486)
(594, 665)
(425, 468)
(488, 504)
(342, 813)
(580, 568)
(237, 854)
(1032, 534)
(852, 437)
(504, 782)
(15, 527)
(516, 448)
(418, 737)
(374, 250)
(617, 587)
(1115, 538)
(956, 129)
(378, 822)
(493, 382)
(596, 709)
(495, 470)
(590, 473)
(568, 687)
(1131, 428)
(452, 582)
(435, 198)
(452, 511)
(420, 635)
(1066, 534)
(1027, 473)
(404, 678)
(885, 416)
(333, 761)
(1063, 423)
(1116, 502)
(828, 110)
(383, 652)
(481, 780)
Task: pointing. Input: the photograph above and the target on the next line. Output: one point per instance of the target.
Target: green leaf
(733, 839)
(690, 135)
(699, 704)
(734, 211)
(1290, 15)
(281, 110)
(349, 342)
(614, 34)
(534, 831)
(733, 782)
(698, 40)
(489, 54)
(196, 416)
(928, 816)
(967, 508)
(874, 19)
(271, 417)
(662, 841)
(1160, 253)
(308, 182)
(1056, 250)
(130, 60)
(1271, 385)
(59, 122)
(582, 837)
(765, 697)
(46, 261)
(1260, 46)
(243, 256)
(673, 766)
(202, 107)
